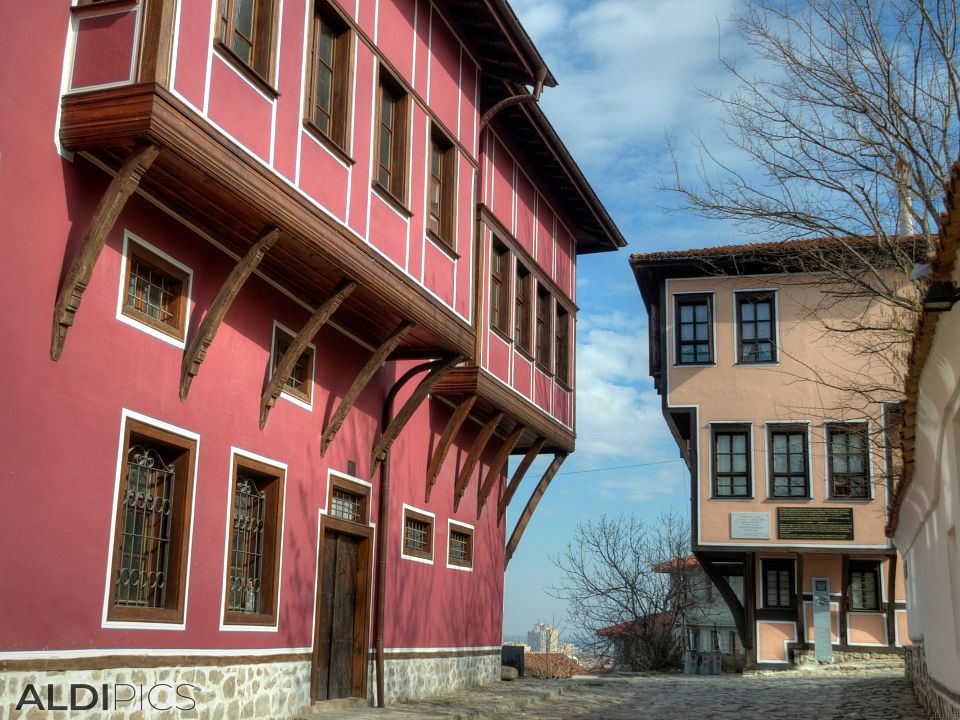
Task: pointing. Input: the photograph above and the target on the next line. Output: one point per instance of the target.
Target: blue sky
(629, 73)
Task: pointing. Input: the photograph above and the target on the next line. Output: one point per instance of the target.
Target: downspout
(516, 99)
(383, 516)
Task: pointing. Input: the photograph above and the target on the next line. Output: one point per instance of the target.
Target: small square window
(779, 583)
(460, 545)
(155, 291)
(299, 384)
(246, 29)
(847, 460)
(442, 196)
(756, 327)
(731, 461)
(694, 329)
(391, 137)
(788, 464)
(863, 585)
(348, 500)
(417, 535)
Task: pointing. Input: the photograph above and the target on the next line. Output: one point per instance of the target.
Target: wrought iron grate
(347, 505)
(246, 555)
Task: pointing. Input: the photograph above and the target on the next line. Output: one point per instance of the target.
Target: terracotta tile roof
(778, 247)
(689, 562)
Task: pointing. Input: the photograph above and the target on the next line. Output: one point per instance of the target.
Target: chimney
(905, 226)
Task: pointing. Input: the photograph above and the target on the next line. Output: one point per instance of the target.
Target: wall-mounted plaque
(750, 525)
(804, 523)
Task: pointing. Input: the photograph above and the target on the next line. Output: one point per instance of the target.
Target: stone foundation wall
(214, 692)
(409, 677)
(808, 657)
(937, 701)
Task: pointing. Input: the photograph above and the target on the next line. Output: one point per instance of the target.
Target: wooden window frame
(442, 227)
(468, 530)
(772, 474)
(779, 565)
(336, 482)
(561, 333)
(744, 298)
(275, 480)
(523, 310)
(396, 185)
(425, 517)
(543, 333)
(731, 429)
(141, 253)
(683, 299)
(183, 455)
(848, 428)
(500, 278)
(304, 397)
(341, 100)
(865, 567)
(263, 50)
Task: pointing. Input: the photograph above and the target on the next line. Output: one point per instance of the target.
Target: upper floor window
(328, 94)
(787, 454)
(755, 328)
(778, 584)
(694, 329)
(391, 137)
(500, 288)
(544, 327)
(442, 198)
(731, 461)
(245, 28)
(562, 345)
(523, 309)
(299, 383)
(863, 584)
(155, 291)
(847, 460)
(152, 525)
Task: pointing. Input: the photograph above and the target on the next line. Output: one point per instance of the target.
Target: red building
(287, 283)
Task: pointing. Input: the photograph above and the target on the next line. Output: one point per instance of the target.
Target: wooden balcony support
(319, 318)
(496, 466)
(200, 342)
(518, 476)
(532, 503)
(473, 457)
(737, 609)
(446, 440)
(115, 197)
(367, 374)
(437, 371)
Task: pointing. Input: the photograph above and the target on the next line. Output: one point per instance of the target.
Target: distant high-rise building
(543, 638)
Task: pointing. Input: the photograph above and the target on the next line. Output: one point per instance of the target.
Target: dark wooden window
(500, 288)
(788, 462)
(779, 584)
(694, 329)
(155, 292)
(443, 188)
(731, 461)
(253, 576)
(523, 309)
(245, 28)
(756, 332)
(391, 137)
(417, 534)
(863, 584)
(562, 345)
(847, 460)
(300, 382)
(460, 551)
(328, 92)
(349, 501)
(152, 525)
(544, 329)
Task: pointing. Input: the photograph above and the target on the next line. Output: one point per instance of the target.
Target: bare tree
(629, 588)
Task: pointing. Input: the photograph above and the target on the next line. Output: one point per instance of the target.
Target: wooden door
(341, 627)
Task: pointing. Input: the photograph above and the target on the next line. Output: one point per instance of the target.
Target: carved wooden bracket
(200, 342)
(409, 407)
(532, 505)
(729, 596)
(446, 440)
(362, 380)
(115, 197)
(497, 465)
(319, 318)
(473, 457)
(518, 476)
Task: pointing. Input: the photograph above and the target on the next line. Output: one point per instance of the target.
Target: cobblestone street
(787, 696)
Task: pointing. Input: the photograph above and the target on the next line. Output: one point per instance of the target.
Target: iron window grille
(847, 461)
(755, 328)
(155, 292)
(778, 584)
(731, 462)
(788, 462)
(461, 547)
(247, 545)
(694, 330)
(417, 535)
(347, 505)
(863, 585)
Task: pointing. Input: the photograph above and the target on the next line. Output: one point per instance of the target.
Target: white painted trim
(122, 294)
(834, 619)
(160, 652)
(231, 65)
(134, 53)
(776, 328)
(345, 476)
(896, 626)
(786, 652)
(441, 649)
(237, 627)
(883, 624)
(433, 535)
(794, 548)
(125, 415)
(66, 75)
(313, 368)
(473, 543)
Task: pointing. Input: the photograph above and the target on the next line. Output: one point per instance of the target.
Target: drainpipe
(383, 516)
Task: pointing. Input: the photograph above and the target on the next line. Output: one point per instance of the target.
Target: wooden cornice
(446, 440)
(363, 378)
(493, 473)
(518, 476)
(473, 457)
(200, 342)
(399, 421)
(115, 197)
(532, 505)
(295, 349)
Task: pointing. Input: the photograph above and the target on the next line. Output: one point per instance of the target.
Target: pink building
(789, 472)
(310, 273)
